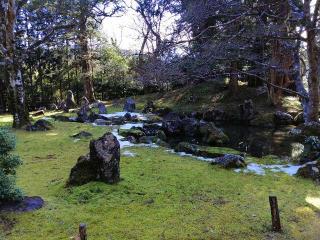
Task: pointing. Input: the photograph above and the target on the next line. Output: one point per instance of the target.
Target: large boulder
(129, 105)
(70, 102)
(172, 125)
(282, 118)
(311, 150)
(229, 161)
(101, 164)
(40, 125)
(134, 132)
(83, 113)
(190, 127)
(310, 170)
(100, 106)
(151, 129)
(212, 135)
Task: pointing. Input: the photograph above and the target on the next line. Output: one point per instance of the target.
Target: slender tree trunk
(85, 54)
(299, 84)
(14, 82)
(313, 51)
(313, 80)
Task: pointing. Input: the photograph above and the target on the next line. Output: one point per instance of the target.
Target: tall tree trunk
(282, 55)
(313, 51)
(299, 84)
(313, 80)
(85, 54)
(14, 82)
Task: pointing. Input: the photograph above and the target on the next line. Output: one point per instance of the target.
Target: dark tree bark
(281, 56)
(313, 51)
(85, 54)
(233, 83)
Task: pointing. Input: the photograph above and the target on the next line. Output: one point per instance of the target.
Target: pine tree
(8, 165)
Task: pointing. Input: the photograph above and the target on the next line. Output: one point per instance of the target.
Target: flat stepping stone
(28, 204)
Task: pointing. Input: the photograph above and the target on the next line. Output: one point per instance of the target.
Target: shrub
(8, 165)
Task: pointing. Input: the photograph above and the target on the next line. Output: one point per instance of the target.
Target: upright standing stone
(83, 112)
(101, 164)
(102, 108)
(70, 102)
(130, 105)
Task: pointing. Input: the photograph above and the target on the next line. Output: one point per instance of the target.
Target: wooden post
(276, 225)
(83, 231)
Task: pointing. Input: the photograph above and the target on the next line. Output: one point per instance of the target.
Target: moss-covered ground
(161, 196)
(208, 95)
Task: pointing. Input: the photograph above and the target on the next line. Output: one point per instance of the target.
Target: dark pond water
(260, 141)
(256, 141)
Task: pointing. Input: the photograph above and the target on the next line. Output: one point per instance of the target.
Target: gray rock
(212, 135)
(102, 108)
(70, 102)
(190, 127)
(310, 170)
(40, 125)
(101, 164)
(130, 105)
(101, 122)
(229, 161)
(172, 125)
(311, 150)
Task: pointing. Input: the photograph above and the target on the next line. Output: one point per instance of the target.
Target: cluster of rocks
(40, 125)
(148, 134)
(180, 125)
(225, 160)
(101, 164)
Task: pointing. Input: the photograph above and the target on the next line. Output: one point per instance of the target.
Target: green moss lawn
(161, 196)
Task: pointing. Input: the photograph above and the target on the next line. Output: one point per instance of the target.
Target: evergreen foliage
(8, 165)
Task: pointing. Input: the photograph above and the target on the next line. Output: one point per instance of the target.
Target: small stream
(271, 141)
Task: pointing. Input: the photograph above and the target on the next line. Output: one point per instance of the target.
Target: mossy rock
(203, 151)
(311, 171)
(212, 135)
(161, 135)
(187, 148)
(134, 132)
(152, 118)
